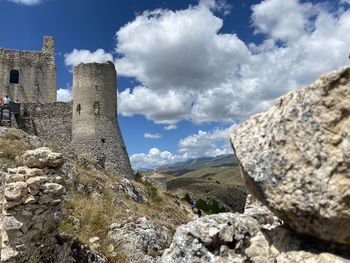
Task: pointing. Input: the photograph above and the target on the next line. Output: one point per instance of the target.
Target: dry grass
(86, 216)
(11, 146)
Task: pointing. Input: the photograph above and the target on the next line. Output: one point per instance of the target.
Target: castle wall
(95, 129)
(50, 121)
(37, 73)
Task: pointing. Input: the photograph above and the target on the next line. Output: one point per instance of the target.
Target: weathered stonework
(50, 121)
(31, 210)
(90, 125)
(95, 128)
(37, 73)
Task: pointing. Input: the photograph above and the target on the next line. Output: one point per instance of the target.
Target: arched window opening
(96, 108)
(78, 109)
(14, 76)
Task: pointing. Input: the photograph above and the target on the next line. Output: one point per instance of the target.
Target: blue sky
(188, 71)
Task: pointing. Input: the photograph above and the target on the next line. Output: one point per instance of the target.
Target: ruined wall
(95, 130)
(37, 73)
(50, 121)
(32, 208)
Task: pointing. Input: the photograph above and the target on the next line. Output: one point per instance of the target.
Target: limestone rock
(295, 157)
(240, 238)
(216, 238)
(42, 157)
(8, 254)
(126, 187)
(141, 240)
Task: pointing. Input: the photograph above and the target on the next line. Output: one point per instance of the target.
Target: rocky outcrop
(240, 238)
(295, 158)
(31, 208)
(141, 240)
(126, 187)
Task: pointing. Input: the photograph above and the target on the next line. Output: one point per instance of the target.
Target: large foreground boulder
(296, 157)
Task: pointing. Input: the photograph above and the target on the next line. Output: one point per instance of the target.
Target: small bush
(210, 207)
(138, 176)
(187, 198)
(152, 192)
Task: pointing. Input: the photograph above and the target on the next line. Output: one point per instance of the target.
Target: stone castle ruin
(29, 76)
(89, 124)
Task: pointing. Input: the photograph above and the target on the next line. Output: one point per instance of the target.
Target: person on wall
(6, 100)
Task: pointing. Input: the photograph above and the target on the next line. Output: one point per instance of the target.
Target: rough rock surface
(126, 187)
(31, 210)
(240, 238)
(141, 240)
(295, 157)
(42, 157)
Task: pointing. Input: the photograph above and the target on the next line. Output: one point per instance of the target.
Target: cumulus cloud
(86, 56)
(171, 105)
(27, 2)
(152, 135)
(64, 95)
(153, 159)
(207, 143)
(170, 127)
(284, 20)
(183, 60)
(203, 143)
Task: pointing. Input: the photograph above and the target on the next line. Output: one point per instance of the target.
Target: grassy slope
(89, 211)
(223, 184)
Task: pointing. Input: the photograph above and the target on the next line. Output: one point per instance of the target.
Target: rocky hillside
(86, 215)
(295, 160)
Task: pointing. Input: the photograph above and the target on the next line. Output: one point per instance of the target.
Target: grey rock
(42, 157)
(141, 240)
(126, 187)
(295, 157)
(216, 238)
(11, 223)
(8, 254)
(240, 238)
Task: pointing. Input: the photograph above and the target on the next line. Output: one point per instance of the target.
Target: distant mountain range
(180, 168)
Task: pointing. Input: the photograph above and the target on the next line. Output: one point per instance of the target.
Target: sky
(188, 71)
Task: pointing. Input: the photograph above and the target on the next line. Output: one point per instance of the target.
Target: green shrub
(210, 207)
(152, 192)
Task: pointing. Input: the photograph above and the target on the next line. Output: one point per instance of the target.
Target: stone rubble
(31, 206)
(141, 240)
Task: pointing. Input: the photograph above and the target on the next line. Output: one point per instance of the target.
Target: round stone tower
(95, 128)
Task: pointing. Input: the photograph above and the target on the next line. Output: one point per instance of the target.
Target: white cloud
(171, 106)
(64, 95)
(284, 20)
(27, 2)
(203, 143)
(191, 71)
(153, 159)
(345, 1)
(152, 136)
(206, 143)
(170, 127)
(86, 56)
(217, 5)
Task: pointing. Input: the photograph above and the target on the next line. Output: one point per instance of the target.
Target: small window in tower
(103, 140)
(96, 108)
(14, 76)
(78, 109)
